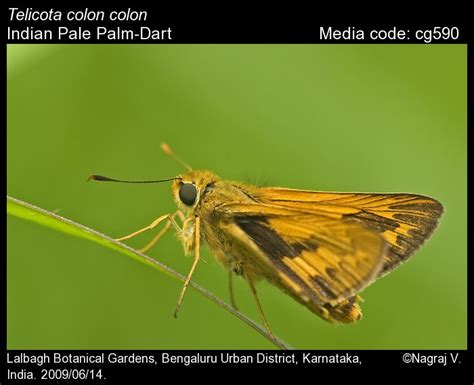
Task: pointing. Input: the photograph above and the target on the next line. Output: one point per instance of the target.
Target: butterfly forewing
(405, 221)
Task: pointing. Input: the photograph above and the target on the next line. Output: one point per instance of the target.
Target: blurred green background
(324, 117)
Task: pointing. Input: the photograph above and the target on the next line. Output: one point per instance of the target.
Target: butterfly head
(188, 188)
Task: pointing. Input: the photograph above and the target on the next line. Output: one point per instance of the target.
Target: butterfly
(320, 248)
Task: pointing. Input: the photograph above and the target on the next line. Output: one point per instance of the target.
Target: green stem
(44, 217)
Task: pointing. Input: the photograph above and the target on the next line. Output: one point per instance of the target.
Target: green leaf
(46, 218)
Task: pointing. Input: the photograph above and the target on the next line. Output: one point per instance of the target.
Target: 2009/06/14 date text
(57, 374)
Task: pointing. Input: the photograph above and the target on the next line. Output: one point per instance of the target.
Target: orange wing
(316, 259)
(405, 221)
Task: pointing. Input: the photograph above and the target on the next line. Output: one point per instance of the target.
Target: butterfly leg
(181, 216)
(197, 245)
(171, 222)
(231, 291)
(259, 305)
(155, 223)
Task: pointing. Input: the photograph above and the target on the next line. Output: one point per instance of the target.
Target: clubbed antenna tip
(167, 150)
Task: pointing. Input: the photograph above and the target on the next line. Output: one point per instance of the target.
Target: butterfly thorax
(224, 249)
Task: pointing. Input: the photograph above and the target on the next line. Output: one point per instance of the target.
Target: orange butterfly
(321, 248)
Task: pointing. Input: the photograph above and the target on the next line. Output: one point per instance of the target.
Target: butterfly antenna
(107, 179)
(167, 150)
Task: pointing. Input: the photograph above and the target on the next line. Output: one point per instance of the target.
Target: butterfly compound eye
(188, 194)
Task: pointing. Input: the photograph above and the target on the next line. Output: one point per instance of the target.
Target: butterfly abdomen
(347, 311)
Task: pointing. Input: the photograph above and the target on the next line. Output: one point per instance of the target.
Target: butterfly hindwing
(314, 258)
